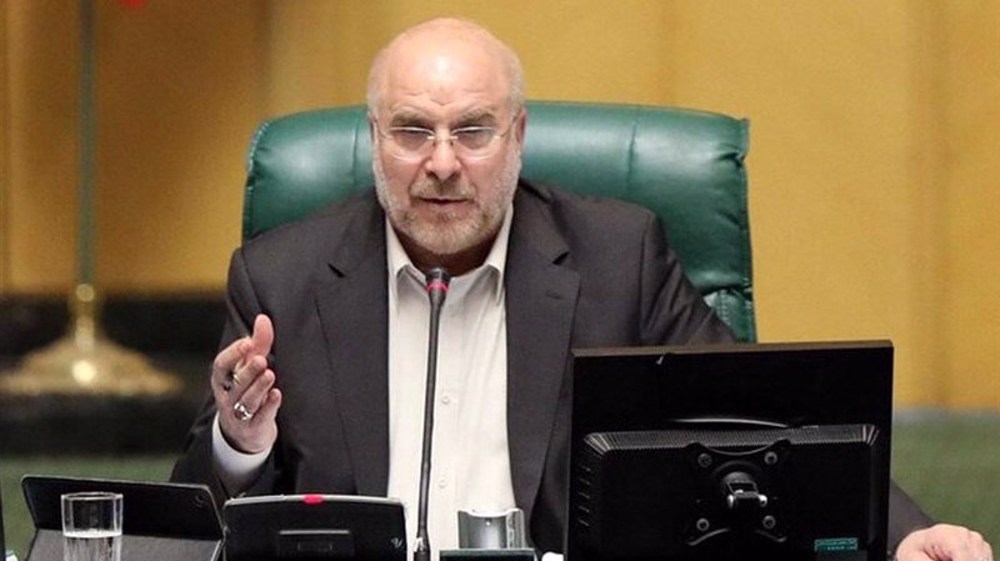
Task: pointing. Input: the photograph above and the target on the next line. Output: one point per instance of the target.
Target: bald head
(436, 43)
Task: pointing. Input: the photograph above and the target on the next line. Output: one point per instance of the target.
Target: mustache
(433, 189)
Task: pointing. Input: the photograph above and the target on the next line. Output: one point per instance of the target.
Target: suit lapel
(353, 310)
(541, 297)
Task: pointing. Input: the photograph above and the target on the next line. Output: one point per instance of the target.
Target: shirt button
(446, 399)
(442, 483)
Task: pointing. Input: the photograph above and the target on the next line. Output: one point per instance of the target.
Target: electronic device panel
(776, 451)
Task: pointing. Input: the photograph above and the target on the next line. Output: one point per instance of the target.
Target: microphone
(437, 280)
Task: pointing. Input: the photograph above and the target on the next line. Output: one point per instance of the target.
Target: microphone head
(436, 281)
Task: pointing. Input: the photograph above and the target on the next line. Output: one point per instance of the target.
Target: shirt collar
(496, 260)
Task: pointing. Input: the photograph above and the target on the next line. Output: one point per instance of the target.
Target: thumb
(263, 335)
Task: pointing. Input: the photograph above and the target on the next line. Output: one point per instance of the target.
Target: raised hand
(244, 390)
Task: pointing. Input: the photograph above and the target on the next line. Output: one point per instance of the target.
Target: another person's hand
(944, 542)
(243, 385)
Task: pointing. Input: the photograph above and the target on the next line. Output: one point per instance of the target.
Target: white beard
(450, 234)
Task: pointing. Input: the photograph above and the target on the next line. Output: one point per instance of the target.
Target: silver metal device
(491, 530)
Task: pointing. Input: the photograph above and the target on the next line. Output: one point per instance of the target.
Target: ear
(521, 127)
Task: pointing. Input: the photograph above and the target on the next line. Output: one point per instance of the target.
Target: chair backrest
(687, 166)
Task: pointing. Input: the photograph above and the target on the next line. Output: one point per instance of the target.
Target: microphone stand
(437, 289)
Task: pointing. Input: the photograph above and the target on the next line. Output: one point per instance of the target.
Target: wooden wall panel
(871, 164)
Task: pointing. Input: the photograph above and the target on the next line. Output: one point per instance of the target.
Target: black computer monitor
(770, 451)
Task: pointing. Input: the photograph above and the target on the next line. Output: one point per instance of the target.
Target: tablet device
(343, 527)
(160, 522)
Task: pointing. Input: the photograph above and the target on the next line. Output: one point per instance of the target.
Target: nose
(443, 162)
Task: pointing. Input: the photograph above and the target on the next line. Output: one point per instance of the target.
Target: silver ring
(242, 412)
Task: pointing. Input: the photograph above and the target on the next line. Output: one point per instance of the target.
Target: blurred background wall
(874, 132)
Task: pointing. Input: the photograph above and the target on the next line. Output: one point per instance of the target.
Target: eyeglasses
(417, 143)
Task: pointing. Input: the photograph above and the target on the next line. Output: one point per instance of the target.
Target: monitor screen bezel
(769, 384)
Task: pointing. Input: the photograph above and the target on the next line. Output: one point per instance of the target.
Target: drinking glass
(92, 526)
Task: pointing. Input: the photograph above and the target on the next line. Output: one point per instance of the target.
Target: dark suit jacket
(581, 272)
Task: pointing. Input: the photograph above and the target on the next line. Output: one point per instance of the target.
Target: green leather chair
(687, 166)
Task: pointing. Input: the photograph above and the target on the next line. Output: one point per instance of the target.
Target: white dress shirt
(470, 460)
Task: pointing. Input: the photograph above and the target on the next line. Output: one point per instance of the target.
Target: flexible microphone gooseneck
(437, 288)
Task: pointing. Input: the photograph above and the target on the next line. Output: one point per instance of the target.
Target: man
(338, 301)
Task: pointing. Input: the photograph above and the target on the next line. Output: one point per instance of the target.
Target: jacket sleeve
(672, 311)
(905, 516)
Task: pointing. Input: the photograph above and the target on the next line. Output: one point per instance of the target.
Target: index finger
(229, 357)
